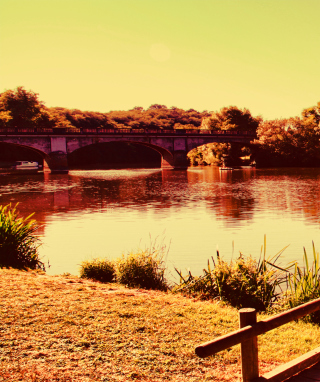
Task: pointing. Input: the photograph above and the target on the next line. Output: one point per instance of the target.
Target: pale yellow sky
(104, 55)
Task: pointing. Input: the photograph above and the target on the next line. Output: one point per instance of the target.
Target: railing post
(249, 348)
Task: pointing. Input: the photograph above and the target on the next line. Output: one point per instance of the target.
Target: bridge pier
(58, 162)
(178, 160)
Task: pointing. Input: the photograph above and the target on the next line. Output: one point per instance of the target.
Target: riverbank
(62, 328)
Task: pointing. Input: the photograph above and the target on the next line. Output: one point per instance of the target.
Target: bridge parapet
(102, 131)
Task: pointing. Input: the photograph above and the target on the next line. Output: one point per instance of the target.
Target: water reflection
(231, 196)
(94, 212)
(97, 190)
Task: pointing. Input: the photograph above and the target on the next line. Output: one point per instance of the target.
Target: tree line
(281, 142)
(22, 108)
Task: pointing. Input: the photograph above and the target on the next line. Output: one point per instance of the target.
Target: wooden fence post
(249, 348)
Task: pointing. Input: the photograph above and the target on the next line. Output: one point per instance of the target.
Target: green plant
(245, 282)
(98, 269)
(143, 269)
(304, 282)
(18, 244)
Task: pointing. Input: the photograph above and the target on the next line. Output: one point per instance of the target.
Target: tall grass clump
(304, 282)
(18, 243)
(242, 283)
(143, 269)
(98, 269)
(140, 269)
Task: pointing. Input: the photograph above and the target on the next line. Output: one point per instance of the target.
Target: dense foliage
(21, 108)
(228, 118)
(155, 117)
(231, 118)
(289, 142)
(282, 142)
(18, 243)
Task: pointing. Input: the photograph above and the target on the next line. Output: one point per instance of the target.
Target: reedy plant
(242, 283)
(304, 282)
(18, 243)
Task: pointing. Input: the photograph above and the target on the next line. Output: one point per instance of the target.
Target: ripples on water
(105, 213)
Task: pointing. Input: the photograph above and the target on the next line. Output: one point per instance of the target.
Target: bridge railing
(98, 131)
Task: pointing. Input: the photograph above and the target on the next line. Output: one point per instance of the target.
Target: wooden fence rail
(247, 335)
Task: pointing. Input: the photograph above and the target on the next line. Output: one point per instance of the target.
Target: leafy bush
(141, 269)
(243, 283)
(144, 269)
(98, 269)
(18, 244)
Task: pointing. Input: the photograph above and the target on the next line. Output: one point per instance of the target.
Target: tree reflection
(229, 196)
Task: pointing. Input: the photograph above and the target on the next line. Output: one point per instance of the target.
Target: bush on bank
(98, 269)
(144, 269)
(241, 283)
(18, 243)
(245, 282)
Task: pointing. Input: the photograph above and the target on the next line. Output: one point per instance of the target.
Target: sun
(160, 52)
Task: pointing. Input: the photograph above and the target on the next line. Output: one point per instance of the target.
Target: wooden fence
(247, 336)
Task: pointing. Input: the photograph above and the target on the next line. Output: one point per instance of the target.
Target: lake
(105, 213)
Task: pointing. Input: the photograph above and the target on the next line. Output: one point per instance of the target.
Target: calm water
(88, 214)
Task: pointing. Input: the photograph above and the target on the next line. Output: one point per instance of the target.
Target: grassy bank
(63, 328)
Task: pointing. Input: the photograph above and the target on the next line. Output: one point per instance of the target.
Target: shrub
(144, 269)
(247, 283)
(243, 283)
(98, 269)
(18, 244)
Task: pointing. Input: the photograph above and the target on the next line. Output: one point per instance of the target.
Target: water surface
(88, 214)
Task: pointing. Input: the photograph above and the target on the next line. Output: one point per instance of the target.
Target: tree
(5, 117)
(231, 118)
(21, 108)
(289, 142)
(59, 118)
(311, 115)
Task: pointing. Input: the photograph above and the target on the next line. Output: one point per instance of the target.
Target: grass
(63, 328)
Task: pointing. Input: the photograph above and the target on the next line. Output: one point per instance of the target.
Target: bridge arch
(165, 156)
(41, 154)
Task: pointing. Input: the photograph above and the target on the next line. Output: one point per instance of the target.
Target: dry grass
(68, 329)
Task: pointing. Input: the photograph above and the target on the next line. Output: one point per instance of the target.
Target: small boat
(226, 168)
(26, 167)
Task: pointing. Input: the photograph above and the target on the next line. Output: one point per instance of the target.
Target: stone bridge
(54, 145)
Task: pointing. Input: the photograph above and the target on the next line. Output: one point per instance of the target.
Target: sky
(103, 55)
